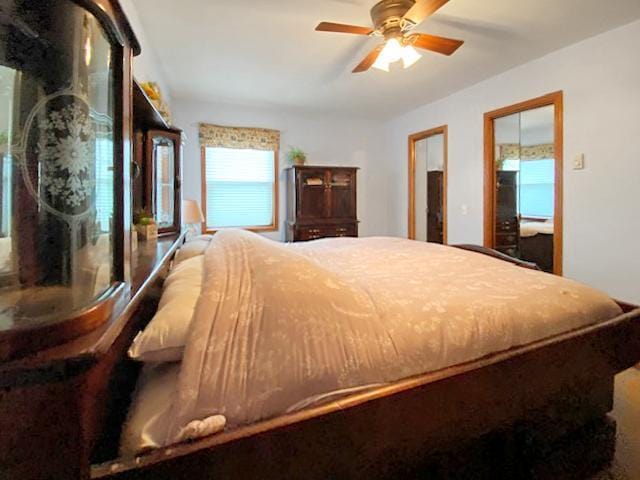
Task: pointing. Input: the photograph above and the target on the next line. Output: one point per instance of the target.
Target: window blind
(537, 192)
(239, 187)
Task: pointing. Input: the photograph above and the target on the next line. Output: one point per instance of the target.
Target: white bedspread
(529, 229)
(281, 326)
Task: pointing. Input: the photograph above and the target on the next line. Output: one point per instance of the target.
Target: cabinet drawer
(506, 239)
(507, 226)
(344, 231)
(310, 233)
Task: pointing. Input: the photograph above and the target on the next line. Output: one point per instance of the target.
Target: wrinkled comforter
(281, 326)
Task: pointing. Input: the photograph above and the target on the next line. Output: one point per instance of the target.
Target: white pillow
(192, 248)
(148, 418)
(164, 337)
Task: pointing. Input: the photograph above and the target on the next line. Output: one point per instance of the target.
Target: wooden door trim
(555, 99)
(444, 130)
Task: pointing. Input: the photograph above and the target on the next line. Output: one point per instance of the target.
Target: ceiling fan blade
(341, 28)
(422, 9)
(369, 60)
(445, 46)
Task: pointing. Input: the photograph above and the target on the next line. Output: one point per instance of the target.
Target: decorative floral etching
(239, 137)
(531, 152)
(66, 152)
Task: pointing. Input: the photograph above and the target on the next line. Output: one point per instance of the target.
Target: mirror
(164, 182)
(427, 185)
(526, 216)
(164, 171)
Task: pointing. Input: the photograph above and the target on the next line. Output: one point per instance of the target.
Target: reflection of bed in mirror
(536, 243)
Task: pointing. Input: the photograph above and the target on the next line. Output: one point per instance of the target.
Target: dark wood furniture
(507, 235)
(151, 133)
(79, 105)
(55, 404)
(435, 206)
(321, 202)
(63, 379)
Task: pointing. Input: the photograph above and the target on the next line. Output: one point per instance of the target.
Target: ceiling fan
(393, 20)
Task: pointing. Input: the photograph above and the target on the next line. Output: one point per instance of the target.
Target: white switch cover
(465, 210)
(578, 162)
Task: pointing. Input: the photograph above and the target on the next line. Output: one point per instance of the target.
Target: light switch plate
(578, 162)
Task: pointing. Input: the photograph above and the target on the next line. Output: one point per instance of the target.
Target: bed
(537, 365)
(536, 243)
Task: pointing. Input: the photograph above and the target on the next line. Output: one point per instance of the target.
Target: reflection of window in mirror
(7, 82)
(427, 185)
(164, 182)
(164, 173)
(523, 207)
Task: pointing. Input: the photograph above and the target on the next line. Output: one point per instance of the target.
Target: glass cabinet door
(57, 189)
(164, 150)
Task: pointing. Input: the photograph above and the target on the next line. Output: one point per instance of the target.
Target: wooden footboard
(566, 381)
(496, 254)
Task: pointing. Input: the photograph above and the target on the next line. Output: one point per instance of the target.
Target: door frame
(555, 99)
(416, 137)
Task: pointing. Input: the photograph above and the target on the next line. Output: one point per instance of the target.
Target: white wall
(600, 78)
(327, 140)
(146, 67)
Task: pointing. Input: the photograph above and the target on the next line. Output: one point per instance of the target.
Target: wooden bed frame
(565, 381)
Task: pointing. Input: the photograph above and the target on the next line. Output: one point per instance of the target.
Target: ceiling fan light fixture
(409, 56)
(392, 51)
(378, 64)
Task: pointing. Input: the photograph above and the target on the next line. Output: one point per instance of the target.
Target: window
(240, 188)
(537, 178)
(104, 184)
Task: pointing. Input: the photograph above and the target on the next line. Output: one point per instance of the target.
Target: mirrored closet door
(428, 185)
(523, 176)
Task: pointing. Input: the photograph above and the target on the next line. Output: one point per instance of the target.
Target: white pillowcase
(192, 248)
(148, 417)
(164, 338)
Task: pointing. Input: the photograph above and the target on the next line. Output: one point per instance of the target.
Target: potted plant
(146, 226)
(297, 156)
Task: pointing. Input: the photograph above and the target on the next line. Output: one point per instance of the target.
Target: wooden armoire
(321, 202)
(507, 224)
(435, 203)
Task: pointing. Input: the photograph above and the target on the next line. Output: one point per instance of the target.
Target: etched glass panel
(56, 161)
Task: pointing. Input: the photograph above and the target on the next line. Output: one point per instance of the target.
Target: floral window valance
(531, 152)
(239, 137)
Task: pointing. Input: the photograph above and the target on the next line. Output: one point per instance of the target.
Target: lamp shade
(191, 212)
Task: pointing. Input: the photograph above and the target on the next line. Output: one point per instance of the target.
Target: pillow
(147, 420)
(164, 337)
(192, 248)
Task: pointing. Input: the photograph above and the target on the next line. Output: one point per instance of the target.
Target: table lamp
(192, 217)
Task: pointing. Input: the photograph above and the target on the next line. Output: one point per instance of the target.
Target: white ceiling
(266, 52)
